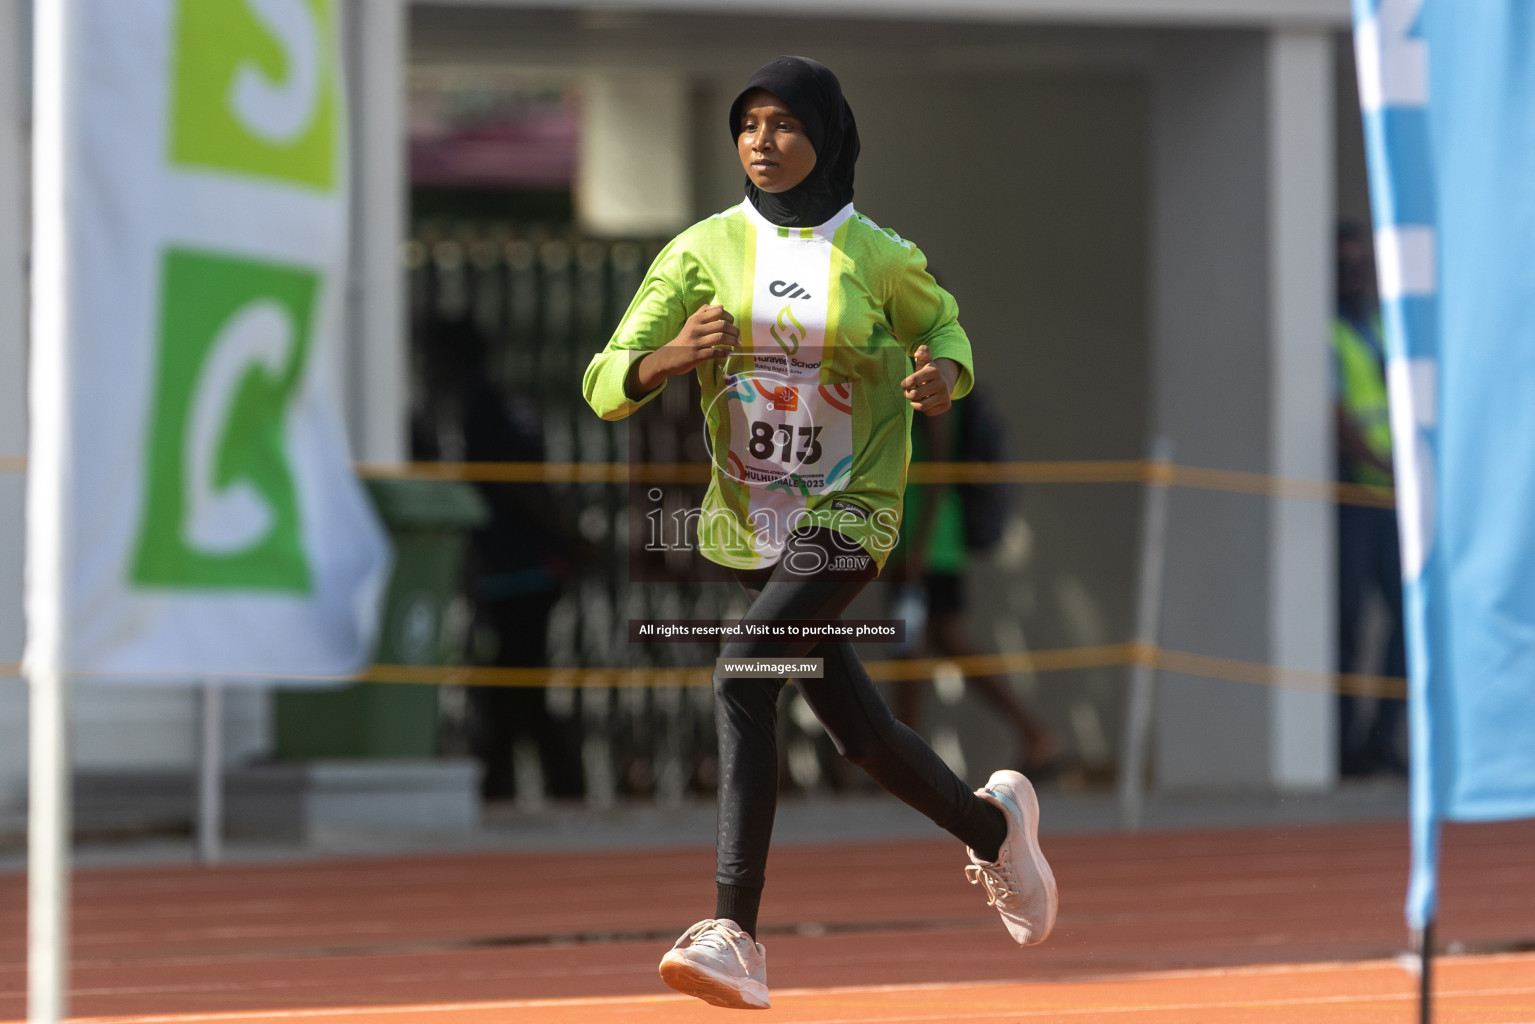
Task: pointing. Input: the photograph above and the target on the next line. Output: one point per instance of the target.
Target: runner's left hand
(930, 388)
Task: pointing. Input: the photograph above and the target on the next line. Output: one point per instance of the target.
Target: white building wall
(623, 115)
(155, 728)
(1135, 224)
(1211, 397)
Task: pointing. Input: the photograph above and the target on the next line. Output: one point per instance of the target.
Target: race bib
(795, 437)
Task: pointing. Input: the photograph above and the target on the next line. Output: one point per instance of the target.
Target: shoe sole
(1028, 814)
(713, 988)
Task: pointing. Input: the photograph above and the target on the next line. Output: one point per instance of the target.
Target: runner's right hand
(710, 333)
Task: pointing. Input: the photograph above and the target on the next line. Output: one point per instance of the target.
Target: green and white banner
(191, 509)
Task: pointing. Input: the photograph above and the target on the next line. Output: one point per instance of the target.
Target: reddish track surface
(559, 938)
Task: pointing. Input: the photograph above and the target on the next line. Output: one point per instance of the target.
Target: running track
(1296, 924)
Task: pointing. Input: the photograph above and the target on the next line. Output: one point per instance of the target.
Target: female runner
(802, 319)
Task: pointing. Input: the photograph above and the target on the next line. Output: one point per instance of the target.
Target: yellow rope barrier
(1105, 656)
(1258, 674)
(488, 675)
(1102, 471)
(1099, 471)
(540, 472)
(976, 665)
(1235, 482)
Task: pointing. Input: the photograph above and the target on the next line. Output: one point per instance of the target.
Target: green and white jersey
(807, 425)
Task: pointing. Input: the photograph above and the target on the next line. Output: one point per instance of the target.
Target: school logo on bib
(788, 331)
(221, 508)
(254, 89)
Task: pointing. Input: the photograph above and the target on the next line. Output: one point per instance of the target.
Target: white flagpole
(54, 43)
(48, 852)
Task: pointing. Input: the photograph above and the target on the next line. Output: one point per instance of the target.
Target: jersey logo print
(791, 289)
(791, 327)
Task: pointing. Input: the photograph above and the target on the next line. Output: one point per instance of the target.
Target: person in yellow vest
(1369, 555)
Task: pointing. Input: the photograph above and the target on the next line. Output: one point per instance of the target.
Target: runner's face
(774, 149)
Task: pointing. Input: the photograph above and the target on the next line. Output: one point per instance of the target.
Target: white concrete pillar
(1242, 211)
(1301, 204)
(14, 231)
(636, 166)
(375, 375)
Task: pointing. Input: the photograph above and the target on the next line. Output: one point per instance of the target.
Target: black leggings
(845, 700)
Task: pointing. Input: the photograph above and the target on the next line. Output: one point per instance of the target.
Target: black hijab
(814, 95)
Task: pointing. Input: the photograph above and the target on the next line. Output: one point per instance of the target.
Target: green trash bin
(429, 523)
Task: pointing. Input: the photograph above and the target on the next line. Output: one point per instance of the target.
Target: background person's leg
(867, 734)
(1353, 570)
(1383, 743)
(1039, 749)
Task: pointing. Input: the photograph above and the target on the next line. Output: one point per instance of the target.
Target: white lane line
(811, 993)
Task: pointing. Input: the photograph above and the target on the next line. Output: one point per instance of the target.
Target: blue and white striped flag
(1448, 87)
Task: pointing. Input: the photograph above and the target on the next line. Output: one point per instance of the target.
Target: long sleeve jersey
(806, 424)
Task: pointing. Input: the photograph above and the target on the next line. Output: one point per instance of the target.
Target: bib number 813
(765, 437)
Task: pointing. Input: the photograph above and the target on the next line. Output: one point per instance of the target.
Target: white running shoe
(719, 963)
(1019, 882)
